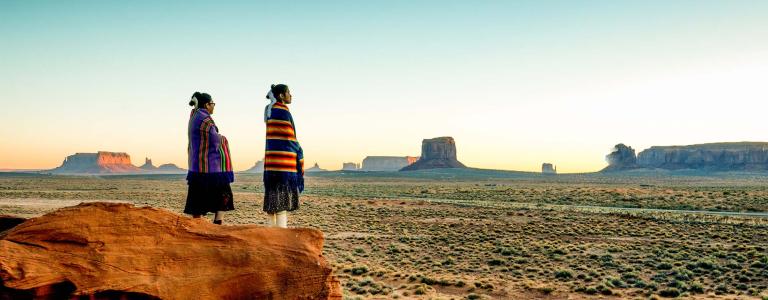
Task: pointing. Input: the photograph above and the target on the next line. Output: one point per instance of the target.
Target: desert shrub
(546, 290)
(630, 278)
(360, 270)
(615, 282)
(721, 289)
(706, 264)
(639, 284)
(669, 293)
(427, 280)
(366, 281)
(495, 262)
(696, 288)
(563, 274)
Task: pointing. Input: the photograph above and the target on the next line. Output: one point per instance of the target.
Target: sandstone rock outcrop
(117, 251)
(742, 156)
(350, 166)
(148, 166)
(97, 163)
(315, 168)
(548, 168)
(258, 167)
(436, 153)
(621, 158)
(387, 163)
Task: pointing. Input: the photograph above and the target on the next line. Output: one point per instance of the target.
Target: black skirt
(205, 198)
(280, 197)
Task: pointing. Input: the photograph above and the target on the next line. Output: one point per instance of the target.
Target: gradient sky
(516, 83)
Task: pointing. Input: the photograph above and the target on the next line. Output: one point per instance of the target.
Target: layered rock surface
(387, 163)
(436, 153)
(743, 156)
(117, 251)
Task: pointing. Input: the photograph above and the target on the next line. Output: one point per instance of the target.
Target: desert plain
(475, 234)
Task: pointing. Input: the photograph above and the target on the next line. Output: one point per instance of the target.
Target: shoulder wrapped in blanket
(210, 161)
(283, 158)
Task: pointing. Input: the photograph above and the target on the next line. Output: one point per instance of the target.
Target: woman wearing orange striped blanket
(283, 159)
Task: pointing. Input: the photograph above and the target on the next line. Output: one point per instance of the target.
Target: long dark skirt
(202, 199)
(281, 198)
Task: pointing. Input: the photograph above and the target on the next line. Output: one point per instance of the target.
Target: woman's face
(287, 97)
(210, 106)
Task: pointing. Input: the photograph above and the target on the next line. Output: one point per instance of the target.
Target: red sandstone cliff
(96, 163)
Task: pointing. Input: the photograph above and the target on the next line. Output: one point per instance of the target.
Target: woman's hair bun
(195, 96)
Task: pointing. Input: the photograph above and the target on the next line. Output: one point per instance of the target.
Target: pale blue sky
(517, 83)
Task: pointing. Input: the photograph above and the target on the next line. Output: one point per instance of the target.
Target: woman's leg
(282, 219)
(271, 220)
(218, 218)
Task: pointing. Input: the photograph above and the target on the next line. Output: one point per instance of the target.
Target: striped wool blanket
(283, 158)
(210, 162)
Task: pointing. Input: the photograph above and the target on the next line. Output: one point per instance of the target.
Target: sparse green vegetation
(489, 239)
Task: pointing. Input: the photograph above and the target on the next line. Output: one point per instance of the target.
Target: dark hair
(278, 89)
(202, 99)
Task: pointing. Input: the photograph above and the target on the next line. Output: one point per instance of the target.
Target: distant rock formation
(315, 168)
(258, 167)
(740, 156)
(621, 158)
(148, 166)
(548, 168)
(737, 156)
(436, 153)
(350, 166)
(118, 251)
(97, 163)
(169, 169)
(387, 163)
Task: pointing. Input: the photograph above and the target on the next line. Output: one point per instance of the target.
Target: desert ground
(492, 235)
